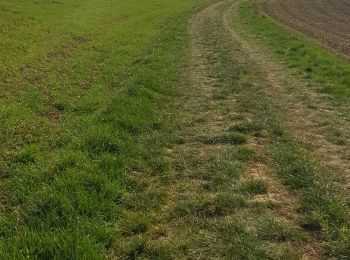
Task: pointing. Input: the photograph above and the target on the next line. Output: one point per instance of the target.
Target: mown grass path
(317, 123)
(246, 119)
(223, 199)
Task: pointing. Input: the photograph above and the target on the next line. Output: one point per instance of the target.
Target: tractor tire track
(192, 186)
(293, 97)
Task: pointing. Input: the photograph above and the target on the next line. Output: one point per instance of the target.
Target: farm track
(326, 21)
(308, 114)
(188, 219)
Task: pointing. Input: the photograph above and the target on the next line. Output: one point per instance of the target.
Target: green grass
(320, 203)
(227, 138)
(88, 90)
(85, 86)
(272, 230)
(231, 215)
(328, 73)
(242, 127)
(318, 195)
(324, 208)
(254, 187)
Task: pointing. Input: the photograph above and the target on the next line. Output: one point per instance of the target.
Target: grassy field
(171, 129)
(325, 73)
(83, 87)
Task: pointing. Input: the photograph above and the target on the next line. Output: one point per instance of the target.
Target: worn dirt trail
(191, 220)
(220, 201)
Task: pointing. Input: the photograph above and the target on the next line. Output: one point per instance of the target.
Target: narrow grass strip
(328, 72)
(326, 211)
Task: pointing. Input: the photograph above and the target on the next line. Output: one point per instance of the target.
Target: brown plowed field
(327, 21)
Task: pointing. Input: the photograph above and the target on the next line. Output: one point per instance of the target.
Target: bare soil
(326, 21)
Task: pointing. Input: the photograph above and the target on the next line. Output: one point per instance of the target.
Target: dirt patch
(326, 21)
(67, 48)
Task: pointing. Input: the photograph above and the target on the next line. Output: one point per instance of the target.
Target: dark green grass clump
(254, 187)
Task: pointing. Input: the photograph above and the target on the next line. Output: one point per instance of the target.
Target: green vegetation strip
(72, 138)
(317, 195)
(244, 227)
(328, 72)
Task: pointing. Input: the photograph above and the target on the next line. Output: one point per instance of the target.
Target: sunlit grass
(85, 84)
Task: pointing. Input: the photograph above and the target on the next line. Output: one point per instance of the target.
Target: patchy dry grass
(318, 186)
(218, 143)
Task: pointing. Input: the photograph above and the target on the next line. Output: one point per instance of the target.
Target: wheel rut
(193, 221)
(318, 125)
